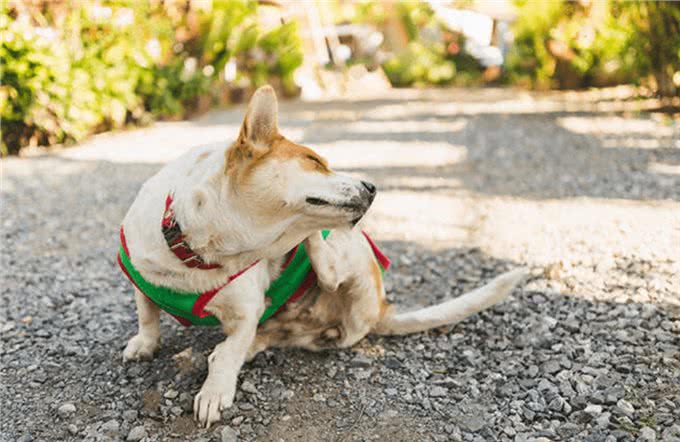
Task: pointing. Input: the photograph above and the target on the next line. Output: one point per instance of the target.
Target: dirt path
(579, 187)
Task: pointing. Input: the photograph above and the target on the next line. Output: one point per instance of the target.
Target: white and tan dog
(252, 203)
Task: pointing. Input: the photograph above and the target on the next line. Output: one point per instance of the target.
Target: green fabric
(179, 303)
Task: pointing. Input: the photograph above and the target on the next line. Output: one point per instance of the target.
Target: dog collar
(172, 232)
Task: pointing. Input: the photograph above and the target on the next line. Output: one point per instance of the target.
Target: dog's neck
(217, 227)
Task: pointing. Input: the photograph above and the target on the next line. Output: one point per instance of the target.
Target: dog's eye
(315, 160)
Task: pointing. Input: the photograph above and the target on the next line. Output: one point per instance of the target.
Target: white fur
(453, 310)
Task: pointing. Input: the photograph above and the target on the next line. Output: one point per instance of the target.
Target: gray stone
(438, 392)
(557, 404)
(671, 434)
(66, 410)
(362, 374)
(228, 434)
(603, 420)
(110, 426)
(136, 433)
(130, 415)
(647, 435)
(624, 407)
(248, 387)
(361, 361)
(551, 367)
(593, 410)
(472, 423)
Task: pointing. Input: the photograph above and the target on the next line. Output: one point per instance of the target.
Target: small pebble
(136, 433)
(66, 410)
(228, 434)
(248, 387)
(110, 426)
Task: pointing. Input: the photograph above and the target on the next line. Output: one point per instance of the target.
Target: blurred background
(74, 68)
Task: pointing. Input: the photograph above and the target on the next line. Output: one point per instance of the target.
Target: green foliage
(433, 55)
(283, 51)
(573, 44)
(655, 44)
(419, 65)
(530, 57)
(68, 72)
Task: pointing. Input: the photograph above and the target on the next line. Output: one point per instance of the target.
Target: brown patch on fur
(243, 157)
(377, 280)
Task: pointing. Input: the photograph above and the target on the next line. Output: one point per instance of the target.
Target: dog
(210, 235)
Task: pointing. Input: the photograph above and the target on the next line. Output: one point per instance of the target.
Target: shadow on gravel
(533, 156)
(530, 366)
(541, 364)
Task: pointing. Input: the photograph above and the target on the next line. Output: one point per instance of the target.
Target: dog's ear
(260, 125)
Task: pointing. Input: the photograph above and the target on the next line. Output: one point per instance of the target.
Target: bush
(72, 69)
(433, 55)
(574, 44)
(419, 65)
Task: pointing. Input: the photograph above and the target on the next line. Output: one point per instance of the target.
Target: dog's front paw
(140, 347)
(210, 401)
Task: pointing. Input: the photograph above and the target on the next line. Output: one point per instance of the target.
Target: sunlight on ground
(525, 230)
(425, 183)
(386, 154)
(435, 221)
(405, 126)
(614, 126)
(160, 143)
(664, 169)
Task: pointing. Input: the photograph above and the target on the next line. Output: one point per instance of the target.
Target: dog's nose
(369, 186)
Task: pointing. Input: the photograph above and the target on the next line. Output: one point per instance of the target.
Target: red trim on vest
(174, 237)
(199, 306)
(379, 255)
(125, 272)
(290, 257)
(181, 320)
(123, 243)
(306, 285)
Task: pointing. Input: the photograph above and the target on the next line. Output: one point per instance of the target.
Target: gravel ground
(576, 186)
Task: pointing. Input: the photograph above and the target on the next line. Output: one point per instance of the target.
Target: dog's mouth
(354, 208)
(353, 205)
(317, 201)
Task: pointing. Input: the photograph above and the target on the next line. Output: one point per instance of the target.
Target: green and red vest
(295, 279)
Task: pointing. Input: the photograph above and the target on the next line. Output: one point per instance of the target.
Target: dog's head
(277, 180)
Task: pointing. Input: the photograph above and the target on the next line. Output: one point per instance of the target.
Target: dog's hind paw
(209, 403)
(140, 347)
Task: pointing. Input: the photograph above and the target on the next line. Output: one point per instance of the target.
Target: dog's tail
(453, 310)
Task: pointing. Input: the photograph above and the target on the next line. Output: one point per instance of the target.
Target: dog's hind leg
(145, 342)
(327, 264)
